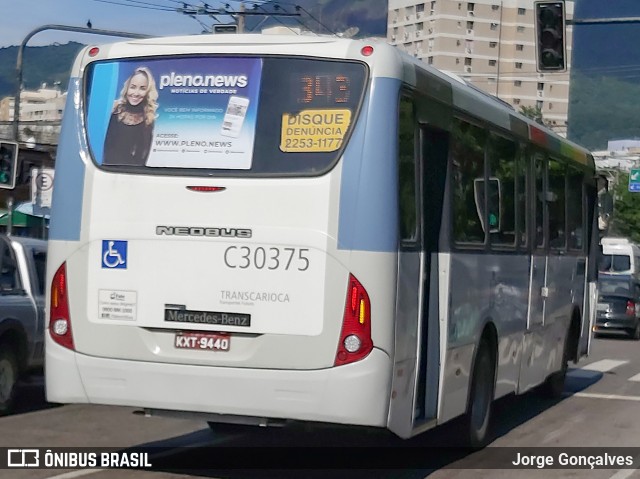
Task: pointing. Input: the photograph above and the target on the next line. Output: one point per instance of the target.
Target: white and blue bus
(299, 228)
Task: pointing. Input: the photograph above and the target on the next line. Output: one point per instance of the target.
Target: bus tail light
(60, 322)
(355, 338)
(631, 308)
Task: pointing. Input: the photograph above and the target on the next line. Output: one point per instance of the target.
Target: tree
(626, 211)
(533, 112)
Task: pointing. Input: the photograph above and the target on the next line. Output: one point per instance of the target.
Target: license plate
(602, 307)
(203, 341)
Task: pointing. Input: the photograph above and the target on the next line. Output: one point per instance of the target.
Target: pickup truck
(22, 276)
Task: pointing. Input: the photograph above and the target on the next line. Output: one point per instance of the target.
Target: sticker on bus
(314, 130)
(114, 254)
(117, 305)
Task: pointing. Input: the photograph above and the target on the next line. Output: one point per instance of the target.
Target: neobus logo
(200, 231)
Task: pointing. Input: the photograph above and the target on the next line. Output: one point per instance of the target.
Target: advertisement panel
(178, 112)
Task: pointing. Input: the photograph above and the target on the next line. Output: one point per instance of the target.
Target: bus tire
(554, 385)
(9, 373)
(478, 417)
(233, 428)
(222, 427)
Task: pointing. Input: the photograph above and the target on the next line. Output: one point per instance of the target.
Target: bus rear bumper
(356, 393)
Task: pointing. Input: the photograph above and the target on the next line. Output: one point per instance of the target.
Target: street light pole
(603, 21)
(93, 31)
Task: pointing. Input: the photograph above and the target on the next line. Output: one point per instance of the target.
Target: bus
(319, 230)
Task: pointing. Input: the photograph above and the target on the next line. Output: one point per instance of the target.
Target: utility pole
(499, 52)
(241, 19)
(603, 21)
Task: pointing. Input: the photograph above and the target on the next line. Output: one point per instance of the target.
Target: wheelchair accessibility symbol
(114, 254)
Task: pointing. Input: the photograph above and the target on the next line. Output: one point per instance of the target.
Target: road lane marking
(73, 474)
(603, 396)
(604, 365)
(168, 452)
(624, 473)
(635, 378)
(583, 374)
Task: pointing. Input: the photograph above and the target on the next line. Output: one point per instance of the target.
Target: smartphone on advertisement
(234, 117)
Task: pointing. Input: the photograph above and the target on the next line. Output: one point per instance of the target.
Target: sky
(153, 17)
(159, 17)
(609, 49)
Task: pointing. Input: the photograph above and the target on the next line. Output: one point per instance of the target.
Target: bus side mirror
(605, 202)
(599, 258)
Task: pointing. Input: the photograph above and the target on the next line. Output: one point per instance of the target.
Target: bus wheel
(554, 385)
(8, 378)
(223, 427)
(481, 397)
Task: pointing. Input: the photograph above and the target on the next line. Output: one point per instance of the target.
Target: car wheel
(8, 378)
(478, 416)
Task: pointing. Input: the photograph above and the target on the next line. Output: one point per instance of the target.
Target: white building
(490, 43)
(44, 104)
(619, 155)
(40, 115)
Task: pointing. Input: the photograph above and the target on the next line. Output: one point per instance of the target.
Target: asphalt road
(600, 409)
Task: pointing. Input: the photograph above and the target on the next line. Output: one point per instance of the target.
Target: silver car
(618, 309)
(22, 277)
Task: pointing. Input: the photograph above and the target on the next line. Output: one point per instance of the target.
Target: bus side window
(556, 205)
(575, 219)
(467, 156)
(522, 218)
(540, 202)
(407, 177)
(502, 166)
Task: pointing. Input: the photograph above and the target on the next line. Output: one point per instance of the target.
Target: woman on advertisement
(130, 131)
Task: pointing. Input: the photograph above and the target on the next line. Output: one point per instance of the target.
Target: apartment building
(44, 104)
(490, 43)
(40, 115)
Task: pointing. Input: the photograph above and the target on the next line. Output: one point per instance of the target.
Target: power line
(207, 28)
(270, 15)
(299, 7)
(140, 2)
(158, 8)
(192, 10)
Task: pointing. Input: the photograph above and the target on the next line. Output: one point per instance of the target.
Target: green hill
(602, 109)
(47, 64)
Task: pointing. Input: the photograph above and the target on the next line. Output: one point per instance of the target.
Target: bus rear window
(233, 115)
(615, 263)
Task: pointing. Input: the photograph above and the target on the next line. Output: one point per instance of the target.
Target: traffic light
(8, 162)
(550, 36)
